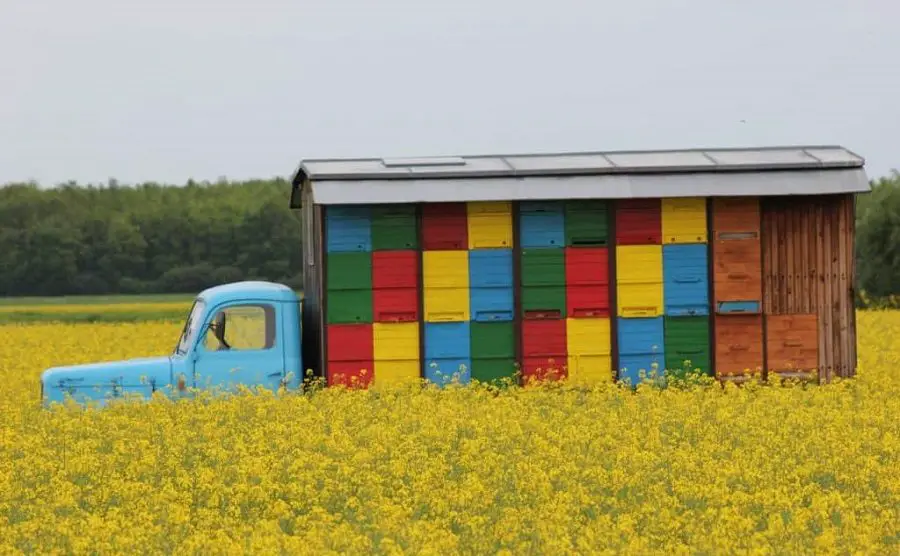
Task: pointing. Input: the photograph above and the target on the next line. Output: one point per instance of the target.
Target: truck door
(241, 345)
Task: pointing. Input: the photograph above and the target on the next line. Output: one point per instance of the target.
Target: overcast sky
(166, 90)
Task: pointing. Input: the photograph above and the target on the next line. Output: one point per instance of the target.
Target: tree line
(156, 238)
(878, 242)
(149, 238)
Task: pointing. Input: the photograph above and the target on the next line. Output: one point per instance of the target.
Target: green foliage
(150, 238)
(878, 243)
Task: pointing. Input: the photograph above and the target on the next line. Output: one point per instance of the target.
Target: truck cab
(239, 334)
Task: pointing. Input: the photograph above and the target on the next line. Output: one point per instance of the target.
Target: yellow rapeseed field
(182, 306)
(704, 470)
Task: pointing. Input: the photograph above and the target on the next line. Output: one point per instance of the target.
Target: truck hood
(141, 373)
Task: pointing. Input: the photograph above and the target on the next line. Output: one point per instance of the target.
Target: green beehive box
(492, 340)
(349, 306)
(348, 271)
(493, 370)
(687, 338)
(543, 266)
(587, 223)
(394, 227)
(544, 299)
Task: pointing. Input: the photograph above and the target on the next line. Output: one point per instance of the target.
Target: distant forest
(148, 238)
(155, 238)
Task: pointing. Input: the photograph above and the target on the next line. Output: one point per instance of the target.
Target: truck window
(191, 325)
(246, 327)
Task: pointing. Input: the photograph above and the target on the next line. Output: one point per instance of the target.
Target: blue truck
(243, 333)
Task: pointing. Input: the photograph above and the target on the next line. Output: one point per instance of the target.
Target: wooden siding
(312, 336)
(317, 335)
(808, 267)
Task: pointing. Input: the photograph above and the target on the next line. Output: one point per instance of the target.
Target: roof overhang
(802, 170)
(819, 182)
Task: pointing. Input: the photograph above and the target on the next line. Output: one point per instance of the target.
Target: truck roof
(250, 289)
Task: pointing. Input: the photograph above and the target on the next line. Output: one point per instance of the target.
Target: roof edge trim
(611, 186)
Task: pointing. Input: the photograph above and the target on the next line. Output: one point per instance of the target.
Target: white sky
(172, 89)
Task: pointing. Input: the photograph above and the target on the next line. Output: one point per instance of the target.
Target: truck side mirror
(219, 329)
(217, 325)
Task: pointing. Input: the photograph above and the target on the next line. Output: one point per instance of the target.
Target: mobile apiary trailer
(592, 266)
(585, 266)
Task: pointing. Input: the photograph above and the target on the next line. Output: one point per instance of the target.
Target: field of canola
(559, 470)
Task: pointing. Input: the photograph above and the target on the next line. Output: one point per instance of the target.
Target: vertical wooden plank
(832, 264)
(813, 277)
(710, 275)
(778, 270)
(783, 245)
(843, 289)
(851, 244)
(420, 286)
(778, 221)
(613, 291)
(792, 258)
(770, 256)
(517, 291)
(829, 293)
(791, 244)
(799, 225)
(824, 293)
(322, 275)
(807, 250)
(836, 268)
(821, 309)
(766, 255)
(764, 204)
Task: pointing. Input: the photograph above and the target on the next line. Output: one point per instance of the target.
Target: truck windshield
(190, 327)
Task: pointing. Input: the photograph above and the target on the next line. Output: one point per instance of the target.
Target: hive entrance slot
(738, 235)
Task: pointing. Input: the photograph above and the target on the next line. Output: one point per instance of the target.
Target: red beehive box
(444, 226)
(395, 305)
(352, 374)
(541, 338)
(639, 222)
(587, 265)
(351, 351)
(587, 282)
(544, 368)
(544, 350)
(587, 301)
(395, 279)
(350, 342)
(395, 269)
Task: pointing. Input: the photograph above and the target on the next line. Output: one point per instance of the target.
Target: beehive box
(588, 267)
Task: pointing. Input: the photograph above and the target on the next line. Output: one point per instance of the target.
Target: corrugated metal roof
(614, 186)
(583, 163)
